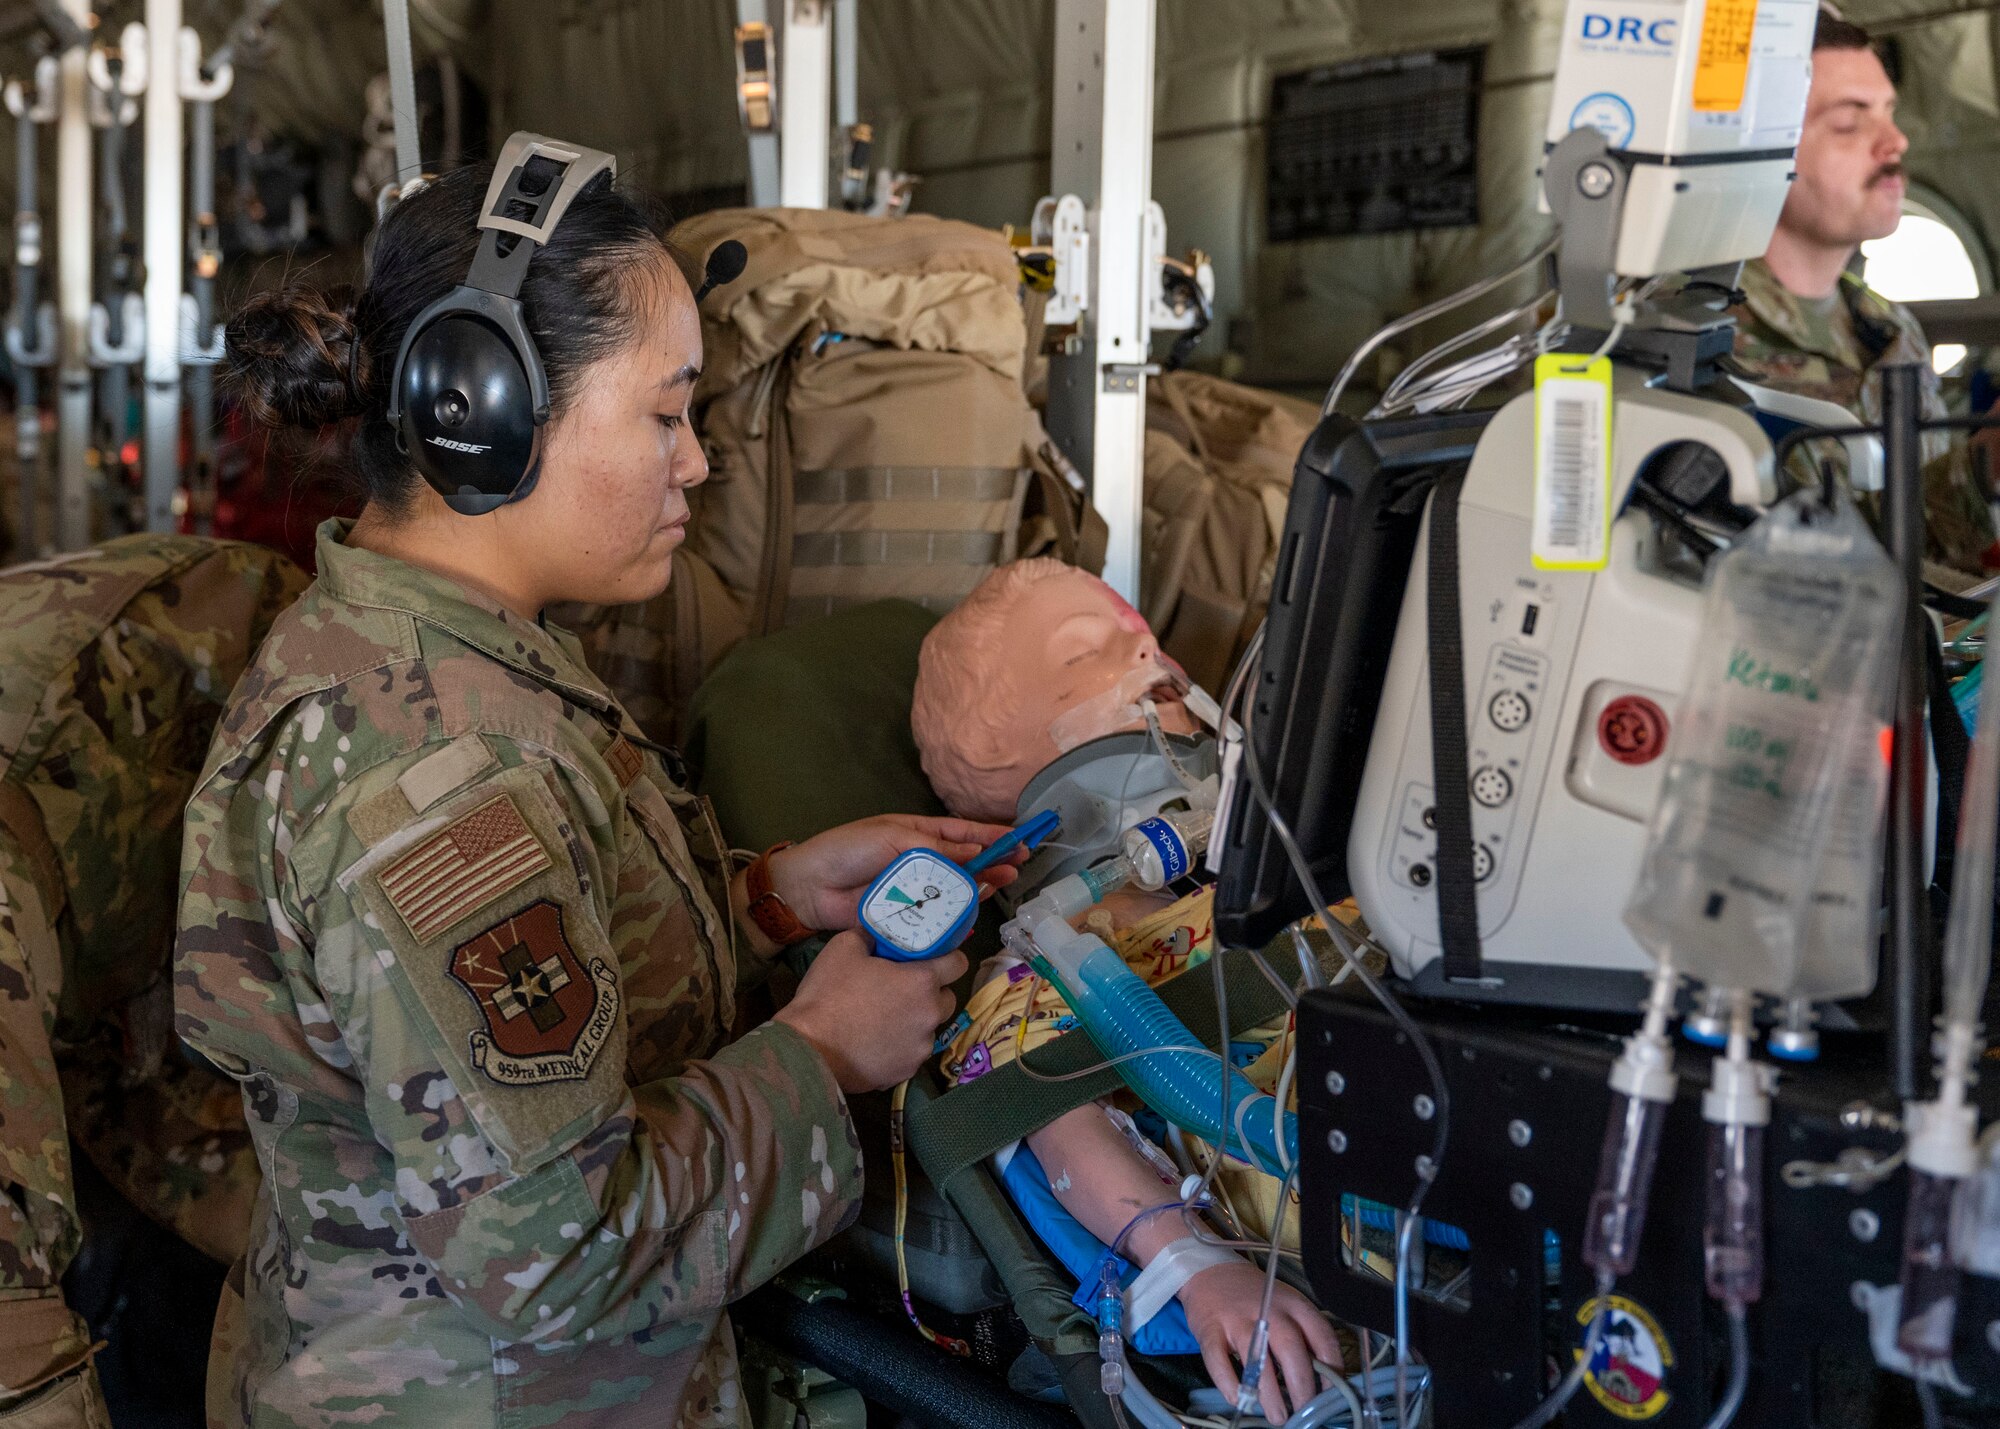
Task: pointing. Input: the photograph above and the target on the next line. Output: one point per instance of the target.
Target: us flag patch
(463, 867)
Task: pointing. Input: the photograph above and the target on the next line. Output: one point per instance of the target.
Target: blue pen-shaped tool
(1028, 836)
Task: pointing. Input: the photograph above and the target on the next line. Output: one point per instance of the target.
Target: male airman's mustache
(1887, 171)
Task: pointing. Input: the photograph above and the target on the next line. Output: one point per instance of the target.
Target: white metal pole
(164, 237)
(762, 181)
(846, 64)
(403, 94)
(73, 241)
(805, 100)
(1102, 151)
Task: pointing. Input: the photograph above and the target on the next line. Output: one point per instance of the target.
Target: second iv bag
(1777, 741)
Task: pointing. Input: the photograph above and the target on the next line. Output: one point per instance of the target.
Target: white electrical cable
(1278, 1103)
(1463, 380)
(1409, 375)
(1429, 1167)
(1426, 313)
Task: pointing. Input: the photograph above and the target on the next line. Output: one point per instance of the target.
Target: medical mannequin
(1039, 659)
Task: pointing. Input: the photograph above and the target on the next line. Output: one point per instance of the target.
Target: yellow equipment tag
(1572, 520)
(1722, 68)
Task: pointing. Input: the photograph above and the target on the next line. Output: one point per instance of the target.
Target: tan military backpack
(867, 433)
(1219, 459)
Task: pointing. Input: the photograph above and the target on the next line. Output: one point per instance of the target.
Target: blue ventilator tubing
(1123, 1015)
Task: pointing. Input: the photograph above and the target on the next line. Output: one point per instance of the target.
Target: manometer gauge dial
(920, 907)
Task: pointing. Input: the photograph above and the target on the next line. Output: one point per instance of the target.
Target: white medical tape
(1178, 1263)
(1107, 713)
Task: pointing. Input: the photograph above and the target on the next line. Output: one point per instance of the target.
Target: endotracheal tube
(1737, 1108)
(1942, 1131)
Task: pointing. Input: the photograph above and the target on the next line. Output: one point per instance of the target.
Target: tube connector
(1795, 1038)
(1645, 1069)
(1708, 1023)
(1110, 1330)
(1739, 1093)
(1943, 1138)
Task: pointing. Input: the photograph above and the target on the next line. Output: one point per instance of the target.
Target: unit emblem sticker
(1628, 1374)
(547, 1015)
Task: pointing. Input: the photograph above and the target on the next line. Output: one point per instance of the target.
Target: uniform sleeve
(471, 978)
(1958, 523)
(41, 1339)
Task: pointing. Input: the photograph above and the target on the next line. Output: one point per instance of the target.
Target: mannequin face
(1081, 657)
(1036, 667)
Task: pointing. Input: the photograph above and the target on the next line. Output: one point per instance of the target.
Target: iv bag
(1772, 749)
(1839, 957)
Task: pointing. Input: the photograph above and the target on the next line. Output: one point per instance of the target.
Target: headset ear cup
(468, 411)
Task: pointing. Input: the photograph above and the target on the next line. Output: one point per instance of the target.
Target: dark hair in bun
(302, 357)
(294, 358)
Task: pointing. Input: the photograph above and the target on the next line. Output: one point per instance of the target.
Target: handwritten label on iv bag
(1774, 780)
(1572, 522)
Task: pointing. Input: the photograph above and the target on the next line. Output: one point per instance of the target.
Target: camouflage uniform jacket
(456, 932)
(115, 664)
(1781, 346)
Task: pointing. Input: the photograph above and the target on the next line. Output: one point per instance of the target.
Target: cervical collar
(1101, 789)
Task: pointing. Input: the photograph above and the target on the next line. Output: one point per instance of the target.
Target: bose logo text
(473, 448)
(1629, 29)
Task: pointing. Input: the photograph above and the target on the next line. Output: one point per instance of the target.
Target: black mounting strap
(1451, 779)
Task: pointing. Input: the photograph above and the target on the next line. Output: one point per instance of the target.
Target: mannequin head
(1040, 658)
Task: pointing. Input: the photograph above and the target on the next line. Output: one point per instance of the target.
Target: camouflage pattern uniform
(1786, 342)
(114, 667)
(456, 930)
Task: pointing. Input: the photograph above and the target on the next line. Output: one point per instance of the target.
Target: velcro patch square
(464, 866)
(625, 760)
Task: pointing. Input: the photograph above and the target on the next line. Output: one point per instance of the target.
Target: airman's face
(611, 506)
(1850, 183)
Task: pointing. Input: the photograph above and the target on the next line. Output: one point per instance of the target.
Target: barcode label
(1572, 526)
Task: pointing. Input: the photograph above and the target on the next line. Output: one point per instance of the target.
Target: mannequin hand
(823, 878)
(872, 1019)
(1221, 1304)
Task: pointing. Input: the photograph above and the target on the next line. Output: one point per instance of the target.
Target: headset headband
(492, 285)
(506, 198)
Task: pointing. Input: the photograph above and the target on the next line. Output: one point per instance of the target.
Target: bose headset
(469, 397)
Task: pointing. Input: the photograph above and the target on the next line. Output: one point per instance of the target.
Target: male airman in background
(1809, 326)
(114, 666)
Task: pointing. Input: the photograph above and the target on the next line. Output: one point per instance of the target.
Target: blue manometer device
(920, 907)
(922, 904)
